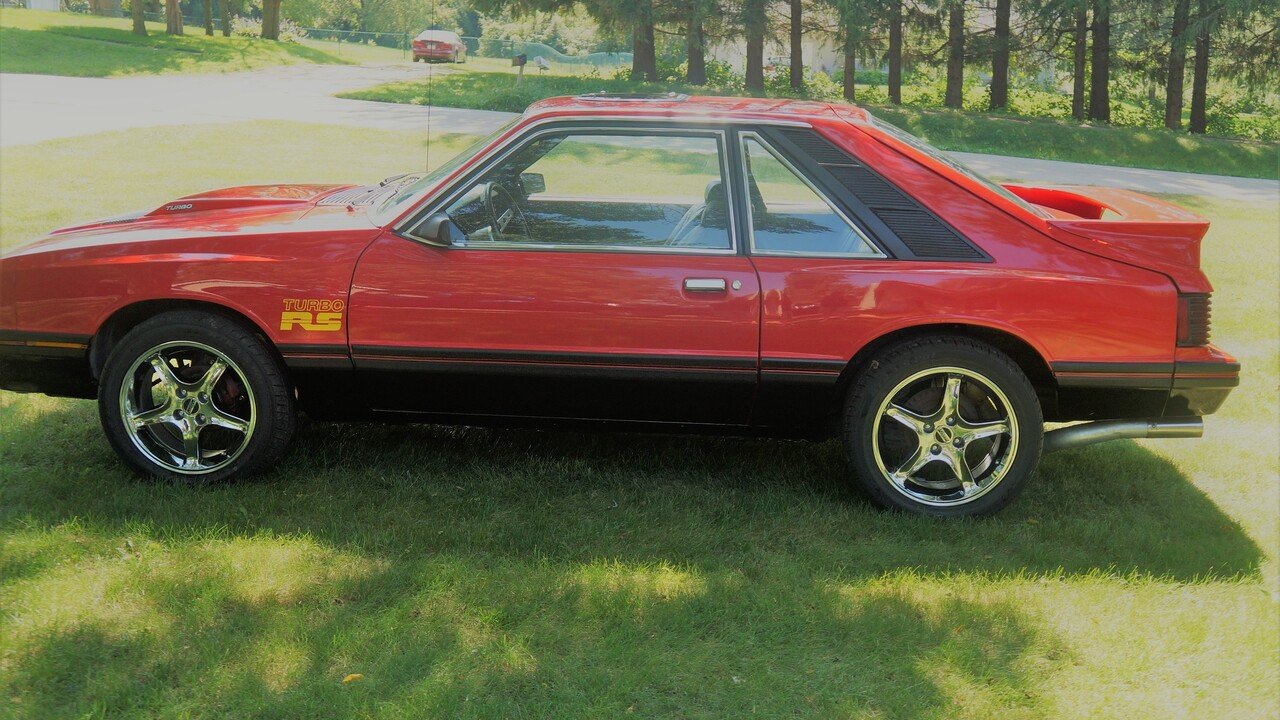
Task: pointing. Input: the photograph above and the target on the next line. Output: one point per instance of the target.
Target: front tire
(195, 397)
(943, 426)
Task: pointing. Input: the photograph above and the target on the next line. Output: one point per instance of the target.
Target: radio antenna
(431, 72)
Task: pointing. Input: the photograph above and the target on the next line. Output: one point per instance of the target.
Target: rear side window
(789, 216)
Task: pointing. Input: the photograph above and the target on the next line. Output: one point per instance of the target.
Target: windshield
(952, 163)
(412, 189)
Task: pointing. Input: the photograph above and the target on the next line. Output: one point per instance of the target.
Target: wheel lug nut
(958, 442)
(935, 449)
(928, 427)
(204, 398)
(177, 414)
(181, 393)
(200, 419)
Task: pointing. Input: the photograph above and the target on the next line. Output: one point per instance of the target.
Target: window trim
(446, 198)
(749, 223)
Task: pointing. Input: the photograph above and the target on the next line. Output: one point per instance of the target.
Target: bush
(1038, 103)
(1238, 113)
(249, 27)
(816, 85)
(720, 75)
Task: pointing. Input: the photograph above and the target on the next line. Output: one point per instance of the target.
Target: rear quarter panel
(1067, 304)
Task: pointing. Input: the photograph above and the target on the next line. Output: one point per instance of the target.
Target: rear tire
(943, 426)
(197, 398)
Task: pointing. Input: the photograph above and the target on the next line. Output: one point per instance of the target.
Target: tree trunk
(1080, 51)
(1100, 62)
(208, 17)
(226, 18)
(644, 59)
(1200, 74)
(695, 45)
(172, 17)
(1000, 58)
(797, 51)
(270, 19)
(850, 59)
(1177, 68)
(137, 9)
(753, 18)
(895, 53)
(955, 55)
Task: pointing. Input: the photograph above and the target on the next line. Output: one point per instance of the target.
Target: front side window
(789, 216)
(591, 189)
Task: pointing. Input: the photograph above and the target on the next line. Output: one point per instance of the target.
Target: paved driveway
(42, 107)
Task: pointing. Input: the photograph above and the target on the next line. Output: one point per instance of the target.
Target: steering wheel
(503, 210)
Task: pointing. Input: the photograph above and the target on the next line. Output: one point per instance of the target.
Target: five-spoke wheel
(187, 407)
(945, 435)
(195, 396)
(942, 426)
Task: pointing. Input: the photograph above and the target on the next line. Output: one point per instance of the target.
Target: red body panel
(248, 260)
(1077, 284)
(411, 295)
(438, 50)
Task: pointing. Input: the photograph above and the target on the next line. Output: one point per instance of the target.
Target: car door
(597, 276)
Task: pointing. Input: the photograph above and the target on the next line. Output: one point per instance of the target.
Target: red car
(439, 45)
(734, 265)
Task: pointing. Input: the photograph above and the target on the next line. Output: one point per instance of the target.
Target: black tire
(274, 415)
(888, 370)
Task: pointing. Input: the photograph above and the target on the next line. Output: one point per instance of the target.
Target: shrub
(249, 27)
(1038, 103)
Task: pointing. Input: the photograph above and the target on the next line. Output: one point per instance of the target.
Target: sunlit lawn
(48, 43)
(469, 573)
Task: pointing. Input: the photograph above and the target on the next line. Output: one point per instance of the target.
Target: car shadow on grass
(1117, 508)
(467, 572)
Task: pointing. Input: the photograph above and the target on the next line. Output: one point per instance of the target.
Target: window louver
(927, 237)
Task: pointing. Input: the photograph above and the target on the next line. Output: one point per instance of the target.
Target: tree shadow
(456, 637)
(479, 573)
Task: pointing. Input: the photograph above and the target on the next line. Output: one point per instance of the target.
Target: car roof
(693, 107)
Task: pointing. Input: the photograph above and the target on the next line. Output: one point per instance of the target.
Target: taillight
(1193, 320)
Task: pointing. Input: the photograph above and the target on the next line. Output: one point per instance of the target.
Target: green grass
(1097, 145)
(470, 573)
(49, 43)
(494, 90)
(948, 129)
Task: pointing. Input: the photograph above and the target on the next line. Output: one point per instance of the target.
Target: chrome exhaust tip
(1089, 433)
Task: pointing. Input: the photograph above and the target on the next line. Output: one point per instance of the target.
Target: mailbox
(519, 60)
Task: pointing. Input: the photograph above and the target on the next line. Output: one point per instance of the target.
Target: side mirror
(440, 229)
(533, 183)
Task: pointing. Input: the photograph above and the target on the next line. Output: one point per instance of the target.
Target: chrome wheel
(945, 436)
(187, 407)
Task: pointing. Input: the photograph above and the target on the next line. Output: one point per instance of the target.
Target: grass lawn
(947, 129)
(50, 43)
(471, 573)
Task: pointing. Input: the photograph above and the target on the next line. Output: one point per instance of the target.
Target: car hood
(268, 210)
(233, 198)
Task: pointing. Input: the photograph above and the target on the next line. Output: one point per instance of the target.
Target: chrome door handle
(705, 284)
